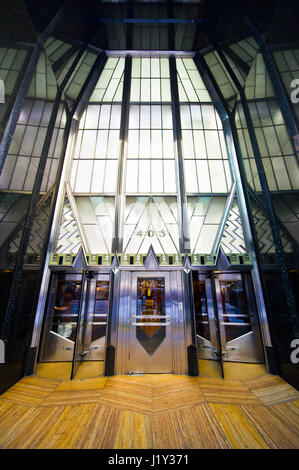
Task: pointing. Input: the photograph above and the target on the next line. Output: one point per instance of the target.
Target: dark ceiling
(193, 25)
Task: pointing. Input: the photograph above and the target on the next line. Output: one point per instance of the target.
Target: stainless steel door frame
(79, 351)
(209, 348)
(246, 347)
(178, 323)
(54, 347)
(127, 291)
(139, 361)
(95, 349)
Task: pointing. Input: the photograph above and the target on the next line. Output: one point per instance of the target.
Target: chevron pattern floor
(151, 411)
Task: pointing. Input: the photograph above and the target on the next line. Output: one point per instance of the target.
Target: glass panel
(235, 318)
(191, 86)
(201, 309)
(100, 311)
(150, 80)
(150, 312)
(65, 315)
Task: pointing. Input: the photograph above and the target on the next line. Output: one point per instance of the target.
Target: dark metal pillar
(184, 243)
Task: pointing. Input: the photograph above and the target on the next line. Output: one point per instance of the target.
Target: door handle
(151, 317)
(150, 324)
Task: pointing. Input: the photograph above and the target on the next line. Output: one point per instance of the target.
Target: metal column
(177, 134)
(117, 245)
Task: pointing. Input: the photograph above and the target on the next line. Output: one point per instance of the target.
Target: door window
(150, 327)
(66, 309)
(99, 323)
(201, 309)
(235, 317)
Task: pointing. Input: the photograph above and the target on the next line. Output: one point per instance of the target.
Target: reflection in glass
(201, 309)
(66, 309)
(99, 321)
(235, 318)
(150, 312)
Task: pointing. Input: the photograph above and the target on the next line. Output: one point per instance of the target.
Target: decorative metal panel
(69, 240)
(232, 239)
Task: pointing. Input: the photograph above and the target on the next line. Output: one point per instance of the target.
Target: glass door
(62, 318)
(240, 336)
(76, 322)
(96, 318)
(91, 332)
(208, 336)
(226, 319)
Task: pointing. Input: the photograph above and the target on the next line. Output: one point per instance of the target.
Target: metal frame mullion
(221, 227)
(184, 240)
(117, 246)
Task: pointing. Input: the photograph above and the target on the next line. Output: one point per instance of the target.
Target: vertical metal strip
(177, 134)
(120, 197)
(228, 205)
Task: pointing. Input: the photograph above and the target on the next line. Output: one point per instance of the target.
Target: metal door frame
(126, 293)
(148, 362)
(77, 349)
(88, 320)
(214, 309)
(49, 313)
(252, 339)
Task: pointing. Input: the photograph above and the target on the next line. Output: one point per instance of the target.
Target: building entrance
(75, 327)
(151, 328)
(226, 320)
(152, 319)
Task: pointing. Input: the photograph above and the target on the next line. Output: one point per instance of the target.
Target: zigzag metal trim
(233, 238)
(69, 240)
